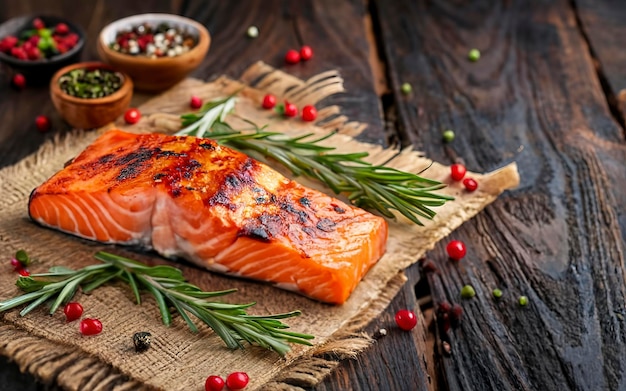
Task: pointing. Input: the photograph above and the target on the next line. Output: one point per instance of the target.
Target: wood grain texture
(534, 97)
(338, 40)
(602, 23)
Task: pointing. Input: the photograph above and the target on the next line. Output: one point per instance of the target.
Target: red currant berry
(38, 24)
(237, 380)
(24, 272)
(456, 250)
(73, 311)
(306, 53)
(17, 265)
(19, 81)
(62, 29)
(406, 319)
(470, 184)
(90, 326)
(457, 171)
(132, 116)
(292, 57)
(290, 110)
(43, 123)
(195, 102)
(269, 101)
(309, 113)
(214, 383)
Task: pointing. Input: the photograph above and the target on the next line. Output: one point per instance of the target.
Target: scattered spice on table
(237, 380)
(467, 292)
(473, 55)
(292, 56)
(92, 83)
(457, 171)
(406, 319)
(132, 116)
(523, 301)
(309, 113)
(142, 341)
(497, 293)
(406, 88)
(269, 101)
(72, 311)
(90, 326)
(19, 81)
(252, 32)
(456, 250)
(43, 123)
(306, 53)
(470, 184)
(448, 135)
(162, 40)
(214, 383)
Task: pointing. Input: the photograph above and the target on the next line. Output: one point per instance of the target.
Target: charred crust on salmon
(256, 232)
(326, 225)
(305, 201)
(338, 209)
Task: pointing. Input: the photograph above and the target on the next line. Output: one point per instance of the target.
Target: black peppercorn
(142, 341)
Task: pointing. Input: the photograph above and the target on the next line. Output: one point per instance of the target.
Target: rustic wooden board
(534, 96)
(602, 24)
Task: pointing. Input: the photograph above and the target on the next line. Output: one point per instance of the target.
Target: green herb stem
(170, 290)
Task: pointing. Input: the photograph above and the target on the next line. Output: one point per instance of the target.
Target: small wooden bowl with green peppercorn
(90, 94)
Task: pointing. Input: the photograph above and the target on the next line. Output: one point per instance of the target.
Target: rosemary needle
(230, 322)
(376, 187)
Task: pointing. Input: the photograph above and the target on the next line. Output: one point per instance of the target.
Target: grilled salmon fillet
(192, 198)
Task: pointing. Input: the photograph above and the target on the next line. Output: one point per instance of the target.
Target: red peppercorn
(38, 24)
(291, 110)
(457, 171)
(89, 326)
(43, 123)
(406, 319)
(24, 272)
(470, 184)
(309, 113)
(73, 311)
(132, 116)
(214, 383)
(269, 101)
(456, 250)
(17, 265)
(62, 29)
(456, 313)
(292, 57)
(429, 267)
(195, 102)
(306, 53)
(237, 380)
(7, 43)
(444, 307)
(19, 81)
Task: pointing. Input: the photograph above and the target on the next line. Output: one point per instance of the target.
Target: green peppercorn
(448, 135)
(406, 88)
(467, 292)
(497, 293)
(474, 55)
(523, 301)
(90, 83)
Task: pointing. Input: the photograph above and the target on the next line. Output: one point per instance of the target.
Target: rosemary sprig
(366, 185)
(171, 292)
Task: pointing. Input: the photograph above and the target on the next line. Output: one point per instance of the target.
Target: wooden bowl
(90, 113)
(39, 72)
(154, 74)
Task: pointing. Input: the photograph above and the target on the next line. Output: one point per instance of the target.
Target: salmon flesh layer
(218, 208)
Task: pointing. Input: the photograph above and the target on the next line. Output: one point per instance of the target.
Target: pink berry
(214, 383)
(292, 57)
(43, 123)
(406, 319)
(237, 380)
(306, 53)
(309, 113)
(89, 326)
(456, 250)
(73, 311)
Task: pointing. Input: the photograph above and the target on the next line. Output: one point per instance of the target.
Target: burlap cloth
(54, 350)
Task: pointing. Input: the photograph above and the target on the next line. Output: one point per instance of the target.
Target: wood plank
(602, 23)
(533, 97)
(338, 39)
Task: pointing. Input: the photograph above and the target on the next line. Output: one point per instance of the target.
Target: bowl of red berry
(37, 46)
(156, 50)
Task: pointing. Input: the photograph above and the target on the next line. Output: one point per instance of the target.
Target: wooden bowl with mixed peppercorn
(156, 50)
(90, 94)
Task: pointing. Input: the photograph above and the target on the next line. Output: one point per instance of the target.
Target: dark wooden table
(549, 92)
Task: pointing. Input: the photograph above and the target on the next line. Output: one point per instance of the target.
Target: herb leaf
(170, 290)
